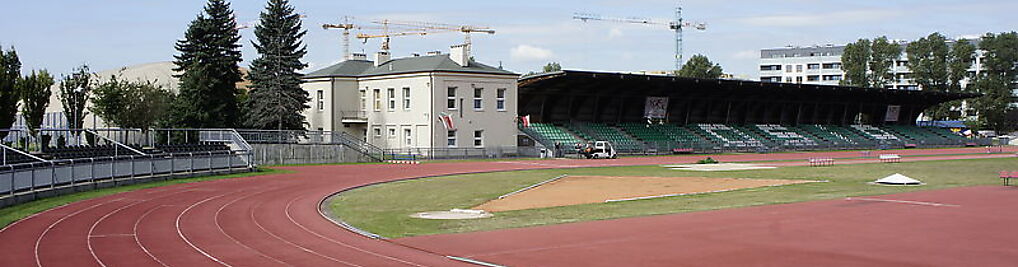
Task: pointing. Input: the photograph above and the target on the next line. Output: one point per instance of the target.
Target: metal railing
(461, 153)
(312, 137)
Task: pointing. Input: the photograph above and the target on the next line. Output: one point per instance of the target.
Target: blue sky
(59, 35)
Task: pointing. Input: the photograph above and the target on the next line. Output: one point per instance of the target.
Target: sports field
(384, 209)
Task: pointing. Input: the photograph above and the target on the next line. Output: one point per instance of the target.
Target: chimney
(358, 56)
(460, 54)
(381, 57)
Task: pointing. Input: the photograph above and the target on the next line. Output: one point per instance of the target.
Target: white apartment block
(399, 103)
(822, 65)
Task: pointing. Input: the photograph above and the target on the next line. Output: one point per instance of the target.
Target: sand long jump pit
(574, 190)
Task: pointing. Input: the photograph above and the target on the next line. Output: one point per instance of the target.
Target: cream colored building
(399, 103)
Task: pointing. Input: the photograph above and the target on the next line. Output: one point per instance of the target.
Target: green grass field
(384, 209)
(11, 214)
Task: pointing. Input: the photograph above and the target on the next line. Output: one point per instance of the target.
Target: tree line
(941, 65)
(207, 66)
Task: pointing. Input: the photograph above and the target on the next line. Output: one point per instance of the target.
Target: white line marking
(904, 202)
(138, 241)
(181, 233)
(221, 230)
(111, 235)
(291, 243)
(288, 216)
(38, 261)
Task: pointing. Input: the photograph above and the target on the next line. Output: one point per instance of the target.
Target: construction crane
(676, 25)
(410, 28)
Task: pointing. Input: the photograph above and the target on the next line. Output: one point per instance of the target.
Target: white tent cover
(898, 179)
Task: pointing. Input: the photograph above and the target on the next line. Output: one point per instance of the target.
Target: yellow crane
(409, 28)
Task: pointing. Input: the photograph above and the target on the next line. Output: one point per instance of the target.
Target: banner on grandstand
(525, 121)
(893, 111)
(656, 107)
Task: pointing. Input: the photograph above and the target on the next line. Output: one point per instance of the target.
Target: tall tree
(939, 67)
(209, 54)
(75, 90)
(130, 104)
(276, 100)
(854, 61)
(10, 71)
(997, 81)
(35, 93)
(883, 55)
(699, 66)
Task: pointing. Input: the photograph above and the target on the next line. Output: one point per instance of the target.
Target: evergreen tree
(699, 66)
(276, 100)
(209, 54)
(35, 92)
(75, 90)
(10, 71)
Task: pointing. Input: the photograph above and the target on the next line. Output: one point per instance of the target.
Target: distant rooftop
(431, 63)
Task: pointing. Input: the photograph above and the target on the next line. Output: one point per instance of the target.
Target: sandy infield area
(575, 190)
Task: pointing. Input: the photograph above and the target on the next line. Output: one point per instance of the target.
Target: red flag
(447, 122)
(525, 120)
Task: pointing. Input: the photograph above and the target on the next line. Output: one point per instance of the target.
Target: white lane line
(88, 240)
(110, 235)
(138, 241)
(181, 233)
(291, 243)
(221, 230)
(301, 226)
(38, 261)
(922, 203)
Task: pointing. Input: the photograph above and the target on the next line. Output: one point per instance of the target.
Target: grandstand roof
(435, 63)
(725, 100)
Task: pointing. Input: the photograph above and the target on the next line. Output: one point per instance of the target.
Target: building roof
(435, 63)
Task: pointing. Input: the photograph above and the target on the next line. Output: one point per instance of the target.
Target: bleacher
(638, 137)
(86, 151)
(554, 134)
(200, 147)
(11, 158)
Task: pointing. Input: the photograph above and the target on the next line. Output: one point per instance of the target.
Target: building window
(500, 99)
(478, 98)
(377, 131)
(392, 132)
(378, 99)
(814, 66)
(788, 68)
(451, 98)
(406, 97)
(788, 79)
(451, 138)
(798, 68)
(813, 78)
(408, 136)
(774, 79)
(798, 79)
(478, 138)
(832, 66)
(364, 100)
(391, 96)
(832, 77)
(321, 100)
(770, 67)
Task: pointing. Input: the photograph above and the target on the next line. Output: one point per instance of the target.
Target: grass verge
(14, 213)
(384, 209)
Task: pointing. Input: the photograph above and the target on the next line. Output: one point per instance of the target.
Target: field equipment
(599, 149)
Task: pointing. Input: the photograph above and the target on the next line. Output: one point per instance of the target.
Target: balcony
(354, 116)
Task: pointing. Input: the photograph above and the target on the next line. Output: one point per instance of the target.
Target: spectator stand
(820, 162)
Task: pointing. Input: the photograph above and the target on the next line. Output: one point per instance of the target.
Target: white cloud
(530, 53)
(822, 19)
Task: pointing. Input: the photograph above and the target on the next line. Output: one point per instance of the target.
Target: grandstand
(724, 115)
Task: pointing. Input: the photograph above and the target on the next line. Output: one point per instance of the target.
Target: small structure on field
(453, 214)
(898, 180)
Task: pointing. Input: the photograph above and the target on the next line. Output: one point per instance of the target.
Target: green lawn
(11, 214)
(384, 209)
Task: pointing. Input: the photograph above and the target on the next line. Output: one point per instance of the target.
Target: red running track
(273, 220)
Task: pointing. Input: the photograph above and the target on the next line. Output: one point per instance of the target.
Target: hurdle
(890, 158)
(402, 159)
(820, 162)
